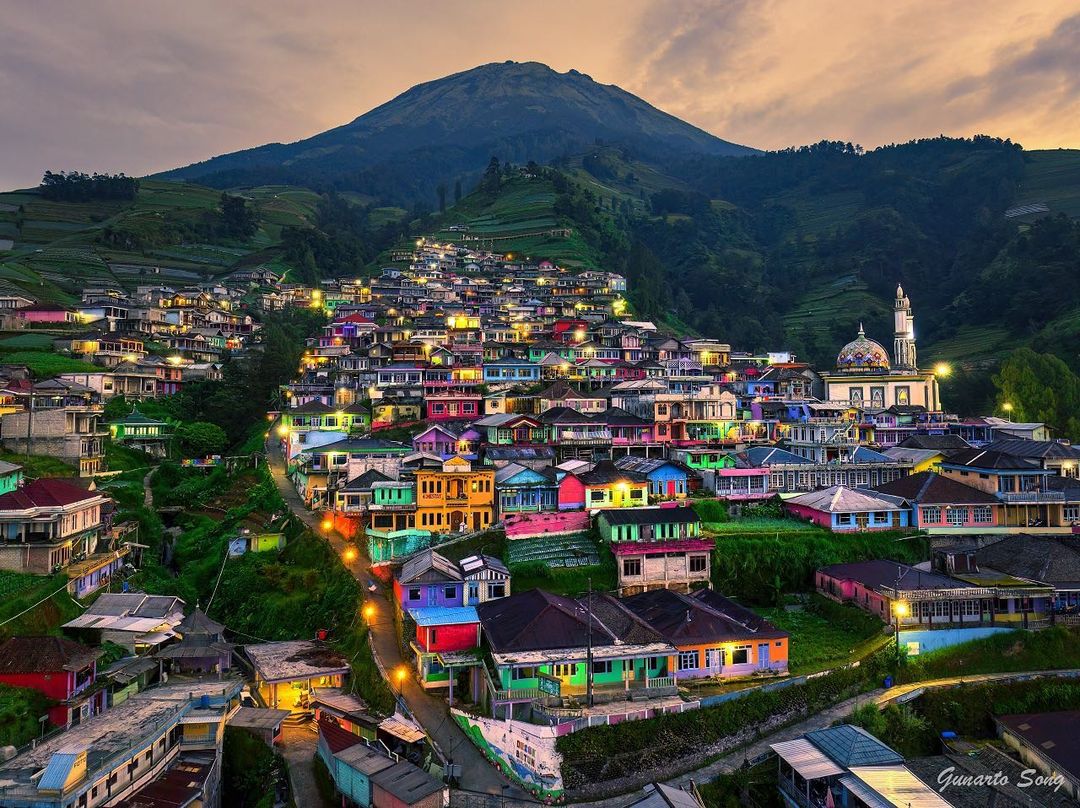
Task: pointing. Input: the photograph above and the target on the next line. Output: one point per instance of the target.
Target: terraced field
(1053, 177)
(833, 301)
(52, 250)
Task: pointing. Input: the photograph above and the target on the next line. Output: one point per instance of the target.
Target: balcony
(1031, 497)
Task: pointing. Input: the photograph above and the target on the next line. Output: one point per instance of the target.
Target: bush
(249, 770)
(201, 439)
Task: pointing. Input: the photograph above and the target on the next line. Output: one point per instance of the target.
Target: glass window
(957, 516)
(602, 666)
(699, 563)
(414, 593)
(740, 656)
(631, 567)
(931, 514)
(983, 515)
(523, 673)
(688, 660)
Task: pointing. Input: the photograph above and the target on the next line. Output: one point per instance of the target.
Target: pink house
(941, 503)
(47, 313)
(571, 493)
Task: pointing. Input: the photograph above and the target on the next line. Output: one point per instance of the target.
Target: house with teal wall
(521, 489)
(539, 644)
(11, 475)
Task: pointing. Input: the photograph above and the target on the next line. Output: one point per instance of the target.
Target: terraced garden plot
(1053, 177)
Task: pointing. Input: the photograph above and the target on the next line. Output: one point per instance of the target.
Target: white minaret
(904, 337)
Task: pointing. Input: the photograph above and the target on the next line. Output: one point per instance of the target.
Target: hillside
(445, 130)
(797, 248)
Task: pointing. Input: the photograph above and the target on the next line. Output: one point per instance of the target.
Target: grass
(20, 592)
(43, 364)
(37, 466)
(1052, 176)
(1054, 648)
(20, 708)
(825, 634)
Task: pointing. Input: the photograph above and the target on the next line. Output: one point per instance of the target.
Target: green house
(11, 475)
(138, 431)
(648, 524)
(539, 646)
(705, 459)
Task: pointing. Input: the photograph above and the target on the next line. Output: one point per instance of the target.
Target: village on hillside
(557, 521)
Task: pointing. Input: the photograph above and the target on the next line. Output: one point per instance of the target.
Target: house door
(763, 656)
(457, 518)
(671, 488)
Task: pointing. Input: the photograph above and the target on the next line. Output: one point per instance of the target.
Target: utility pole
(29, 422)
(588, 651)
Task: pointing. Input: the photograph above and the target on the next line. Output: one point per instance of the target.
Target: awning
(888, 786)
(401, 727)
(805, 758)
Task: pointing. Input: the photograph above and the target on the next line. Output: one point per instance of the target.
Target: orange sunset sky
(145, 85)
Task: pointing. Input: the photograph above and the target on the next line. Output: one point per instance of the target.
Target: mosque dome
(862, 355)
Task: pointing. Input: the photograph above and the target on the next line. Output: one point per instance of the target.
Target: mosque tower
(904, 358)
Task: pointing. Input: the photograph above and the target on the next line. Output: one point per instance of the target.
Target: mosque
(865, 377)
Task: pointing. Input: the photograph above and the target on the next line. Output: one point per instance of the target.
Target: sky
(146, 85)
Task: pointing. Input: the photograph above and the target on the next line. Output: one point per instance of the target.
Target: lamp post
(900, 611)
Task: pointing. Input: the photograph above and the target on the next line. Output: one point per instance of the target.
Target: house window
(596, 496)
(1071, 513)
(956, 516)
(603, 666)
(564, 671)
(449, 592)
(497, 589)
(523, 673)
(982, 514)
(631, 567)
(740, 656)
(414, 593)
(699, 563)
(431, 637)
(688, 660)
(931, 515)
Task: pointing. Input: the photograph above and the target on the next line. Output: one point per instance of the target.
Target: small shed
(259, 721)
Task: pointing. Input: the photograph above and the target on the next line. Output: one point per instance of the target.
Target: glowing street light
(283, 431)
(328, 525)
(399, 674)
(369, 611)
(943, 369)
(349, 555)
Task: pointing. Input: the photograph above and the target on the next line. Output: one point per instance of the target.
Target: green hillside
(53, 250)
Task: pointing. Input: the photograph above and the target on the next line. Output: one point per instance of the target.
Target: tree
(239, 220)
(457, 191)
(201, 439)
(1039, 387)
(492, 179)
(441, 190)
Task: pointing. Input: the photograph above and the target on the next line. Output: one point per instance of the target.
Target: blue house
(851, 510)
(668, 479)
(429, 579)
(509, 370)
(519, 488)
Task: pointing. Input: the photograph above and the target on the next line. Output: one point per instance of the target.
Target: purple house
(448, 440)
(428, 579)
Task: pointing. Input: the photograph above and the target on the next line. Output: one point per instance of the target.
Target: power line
(31, 608)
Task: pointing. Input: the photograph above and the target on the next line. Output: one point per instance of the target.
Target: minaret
(904, 357)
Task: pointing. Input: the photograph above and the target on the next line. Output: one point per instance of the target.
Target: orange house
(455, 497)
(713, 636)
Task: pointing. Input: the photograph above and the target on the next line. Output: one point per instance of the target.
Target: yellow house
(455, 496)
(920, 459)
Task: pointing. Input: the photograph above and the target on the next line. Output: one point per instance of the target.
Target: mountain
(446, 130)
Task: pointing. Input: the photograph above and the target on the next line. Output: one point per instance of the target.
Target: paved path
(430, 711)
(298, 748)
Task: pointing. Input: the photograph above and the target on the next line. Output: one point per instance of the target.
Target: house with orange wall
(714, 636)
(455, 495)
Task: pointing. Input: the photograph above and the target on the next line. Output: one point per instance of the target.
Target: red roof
(354, 318)
(44, 494)
(336, 738)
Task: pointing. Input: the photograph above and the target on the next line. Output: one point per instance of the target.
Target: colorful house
(604, 486)
(942, 505)
(141, 432)
(61, 669)
(519, 489)
(46, 523)
(657, 547)
(713, 636)
(667, 479)
(11, 476)
(392, 506)
(455, 497)
(486, 578)
(849, 510)
(443, 632)
(446, 440)
(427, 580)
(509, 370)
(540, 646)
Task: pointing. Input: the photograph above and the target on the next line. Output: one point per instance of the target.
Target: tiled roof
(930, 488)
(45, 493)
(44, 655)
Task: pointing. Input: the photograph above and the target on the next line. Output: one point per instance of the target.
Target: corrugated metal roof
(806, 759)
(889, 786)
(444, 615)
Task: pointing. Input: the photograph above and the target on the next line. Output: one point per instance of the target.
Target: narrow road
(430, 711)
(298, 749)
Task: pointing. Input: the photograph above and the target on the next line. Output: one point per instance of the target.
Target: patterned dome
(862, 355)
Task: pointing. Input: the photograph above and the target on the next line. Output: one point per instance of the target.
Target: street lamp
(1007, 408)
(349, 555)
(369, 611)
(399, 674)
(328, 525)
(900, 610)
(943, 369)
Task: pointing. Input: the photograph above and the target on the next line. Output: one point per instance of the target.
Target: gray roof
(427, 566)
(1047, 559)
(848, 746)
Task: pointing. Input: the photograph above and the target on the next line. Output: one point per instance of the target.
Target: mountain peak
(448, 128)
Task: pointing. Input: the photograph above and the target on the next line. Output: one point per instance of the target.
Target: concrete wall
(523, 752)
(935, 639)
